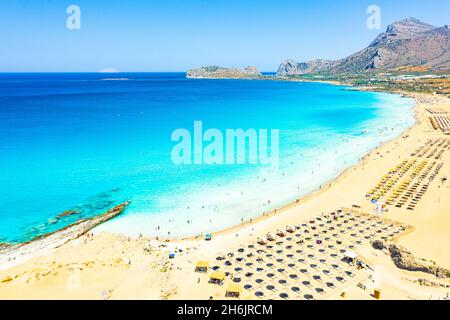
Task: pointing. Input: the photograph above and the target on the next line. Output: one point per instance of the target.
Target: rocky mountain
(406, 43)
(289, 67)
(216, 72)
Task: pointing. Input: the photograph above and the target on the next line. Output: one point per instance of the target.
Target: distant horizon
(155, 36)
(112, 73)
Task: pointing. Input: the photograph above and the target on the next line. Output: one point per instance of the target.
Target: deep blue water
(85, 142)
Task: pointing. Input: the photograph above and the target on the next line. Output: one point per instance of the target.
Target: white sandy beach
(108, 266)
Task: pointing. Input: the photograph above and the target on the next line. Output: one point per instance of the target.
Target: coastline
(328, 184)
(282, 206)
(278, 210)
(224, 239)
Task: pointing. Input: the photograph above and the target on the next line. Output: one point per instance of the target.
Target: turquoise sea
(87, 142)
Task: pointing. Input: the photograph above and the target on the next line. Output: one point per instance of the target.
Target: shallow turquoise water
(82, 142)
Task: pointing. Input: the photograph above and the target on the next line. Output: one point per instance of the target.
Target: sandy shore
(108, 266)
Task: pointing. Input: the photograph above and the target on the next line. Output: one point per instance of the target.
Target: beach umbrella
(248, 287)
(327, 272)
(284, 295)
(320, 290)
(220, 257)
(317, 278)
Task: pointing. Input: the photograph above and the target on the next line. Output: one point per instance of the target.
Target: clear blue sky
(174, 35)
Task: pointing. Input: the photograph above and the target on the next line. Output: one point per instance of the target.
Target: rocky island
(216, 72)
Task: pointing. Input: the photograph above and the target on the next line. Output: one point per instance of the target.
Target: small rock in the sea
(67, 213)
(4, 245)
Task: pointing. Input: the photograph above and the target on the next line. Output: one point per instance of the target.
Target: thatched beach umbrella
(270, 287)
(295, 289)
(308, 296)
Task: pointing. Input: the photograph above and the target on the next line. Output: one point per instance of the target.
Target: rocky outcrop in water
(14, 254)
(67, 213)
(216, 72)
(406, 44)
